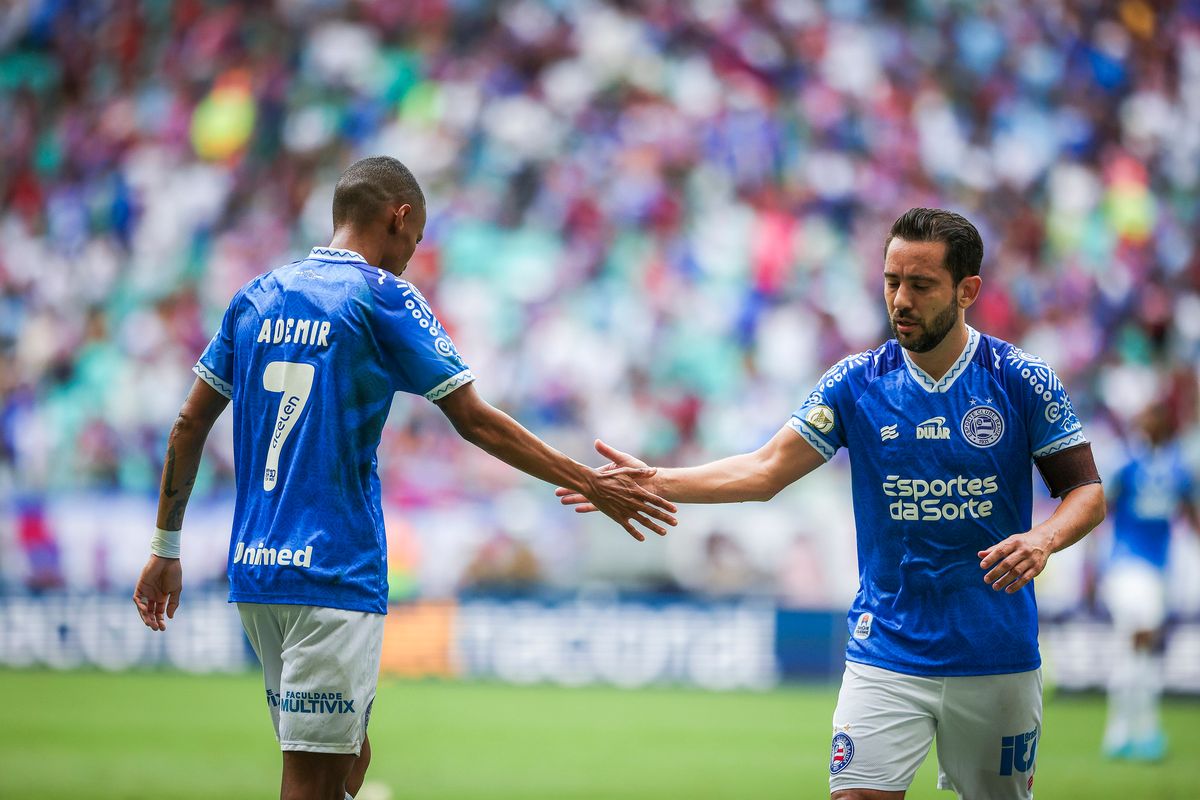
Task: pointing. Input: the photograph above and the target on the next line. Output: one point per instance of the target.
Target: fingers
(172, 604)
(143, 607)
(611, 453)
(994, 553)
(633, 472)
(659, 514)
(149, 606)
(632, 531)
(661, 502)
(1010, 567)
(572, 499)
(585, 508)
(649, 524)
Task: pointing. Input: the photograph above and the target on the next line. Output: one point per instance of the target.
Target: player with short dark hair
(311, 355)
(943, 424)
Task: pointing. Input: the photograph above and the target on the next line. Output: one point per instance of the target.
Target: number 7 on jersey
(295, 381)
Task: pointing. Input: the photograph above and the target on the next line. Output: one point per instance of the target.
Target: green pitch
(166, 735)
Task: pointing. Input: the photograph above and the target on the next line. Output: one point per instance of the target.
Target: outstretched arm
(615, 492)
(760, 475)
(161, 581)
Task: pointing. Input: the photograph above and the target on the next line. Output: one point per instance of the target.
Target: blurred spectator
(503, 563)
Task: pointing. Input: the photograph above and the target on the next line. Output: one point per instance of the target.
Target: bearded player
(943, 425)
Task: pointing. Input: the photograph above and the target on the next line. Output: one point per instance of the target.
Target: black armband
(1068, 469)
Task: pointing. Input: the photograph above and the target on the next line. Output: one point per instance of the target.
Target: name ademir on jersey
(270, 557)
(286, 330)
(941, 498)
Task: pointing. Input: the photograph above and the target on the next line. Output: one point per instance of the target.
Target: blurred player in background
(311, 355)
(942, 426)
(1150, 489)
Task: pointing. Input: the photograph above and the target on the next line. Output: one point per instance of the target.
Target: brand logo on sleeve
(863, 628)
(820, 418)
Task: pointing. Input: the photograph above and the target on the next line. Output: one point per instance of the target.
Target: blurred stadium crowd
(657, 222)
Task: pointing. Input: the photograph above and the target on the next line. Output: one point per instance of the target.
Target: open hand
(157, 591)
(1015, 561)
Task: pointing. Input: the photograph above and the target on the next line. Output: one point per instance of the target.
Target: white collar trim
(958, 368)
(335, 254)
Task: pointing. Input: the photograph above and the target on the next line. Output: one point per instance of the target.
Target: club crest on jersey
(820, 418)
(982, 426)
(933, 428)
(841, 754)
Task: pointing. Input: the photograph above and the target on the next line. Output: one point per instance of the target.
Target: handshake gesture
(624, 489)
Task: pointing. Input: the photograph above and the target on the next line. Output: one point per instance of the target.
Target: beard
(929, 335)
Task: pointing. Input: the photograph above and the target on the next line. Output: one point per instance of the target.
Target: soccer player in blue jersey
(1148, 492)
(943, 425)
(311, 354)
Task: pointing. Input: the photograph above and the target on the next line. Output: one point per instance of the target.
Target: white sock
(1147, 693)
(349, 796)
(1122, 687)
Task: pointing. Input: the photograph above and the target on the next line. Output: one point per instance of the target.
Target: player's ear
(396, 218)
(968, 290)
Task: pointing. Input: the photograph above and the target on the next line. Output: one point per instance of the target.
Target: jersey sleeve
(823, 417)
(416, 348)
(215, 366)
(1043, 402)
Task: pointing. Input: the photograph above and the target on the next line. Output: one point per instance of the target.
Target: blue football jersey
(311, 355)
(940, 470)
(1148, 492)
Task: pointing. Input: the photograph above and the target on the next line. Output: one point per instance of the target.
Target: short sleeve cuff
(820, 445)
(205, 374)
(449, 385)
(1075, 439)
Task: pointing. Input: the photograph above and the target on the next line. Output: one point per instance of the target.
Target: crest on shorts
(983, 426)
(841, 754)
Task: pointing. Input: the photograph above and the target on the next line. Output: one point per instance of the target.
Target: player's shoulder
(1008, 361)
(858, 370)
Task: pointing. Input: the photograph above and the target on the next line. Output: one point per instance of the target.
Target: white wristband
(165, 543)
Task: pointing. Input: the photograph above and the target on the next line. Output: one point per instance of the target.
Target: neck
(937, 362)
(350, 239)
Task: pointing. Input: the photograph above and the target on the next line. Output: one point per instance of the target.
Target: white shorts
(987, 730)
(1135, 594)
(320, 668)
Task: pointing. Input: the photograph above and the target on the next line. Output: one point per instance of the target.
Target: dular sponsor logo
(272, 557)
(933, 428)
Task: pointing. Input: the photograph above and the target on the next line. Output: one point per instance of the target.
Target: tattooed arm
(158, 588)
